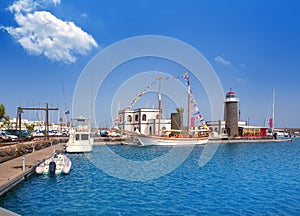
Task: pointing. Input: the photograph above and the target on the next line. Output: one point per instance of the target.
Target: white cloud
(30, 5)
(41, 33)
(22, 6)
(220, 60)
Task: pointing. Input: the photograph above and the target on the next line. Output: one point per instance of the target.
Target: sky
(252, 45)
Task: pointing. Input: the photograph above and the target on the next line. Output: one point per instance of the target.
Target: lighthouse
(231, 114)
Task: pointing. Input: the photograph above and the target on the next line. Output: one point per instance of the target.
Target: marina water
(240, 179)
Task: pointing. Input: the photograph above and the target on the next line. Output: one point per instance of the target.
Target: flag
(271, 122)
(67, 112)
(189, 87)
(192, 122)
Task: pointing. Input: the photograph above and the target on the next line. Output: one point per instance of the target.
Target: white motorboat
(57, 164)
(80, 139)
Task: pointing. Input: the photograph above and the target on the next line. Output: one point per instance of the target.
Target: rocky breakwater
(12, 151)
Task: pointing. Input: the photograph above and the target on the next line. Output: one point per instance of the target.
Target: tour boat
(176, 137)
(179, 140)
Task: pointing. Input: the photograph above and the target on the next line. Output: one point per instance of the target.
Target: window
(144, 118)
(129, 118)
(77, 137)
(136, 117)
(84, 136)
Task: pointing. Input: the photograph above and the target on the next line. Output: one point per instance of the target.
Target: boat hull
(163, 141)
(80, 146)
(62, 166)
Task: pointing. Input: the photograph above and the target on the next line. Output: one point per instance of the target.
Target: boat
(198, 136)
(80, 140)
(177, 139)
(57, 164)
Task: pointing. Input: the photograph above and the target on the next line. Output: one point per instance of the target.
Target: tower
(177, 119)
(231, 114)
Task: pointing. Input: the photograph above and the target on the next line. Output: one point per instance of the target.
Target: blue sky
(252, 45)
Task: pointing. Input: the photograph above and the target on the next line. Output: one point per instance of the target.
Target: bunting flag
(196, 113)
(192, 122)
(117, 120)
(138, 96)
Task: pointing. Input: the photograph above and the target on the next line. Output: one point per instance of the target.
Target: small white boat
(80, 139)
(57, 164)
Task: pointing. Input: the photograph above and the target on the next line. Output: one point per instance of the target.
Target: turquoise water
(241, 179)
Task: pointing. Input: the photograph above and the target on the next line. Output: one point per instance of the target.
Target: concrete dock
(14, 171)
(232, 141)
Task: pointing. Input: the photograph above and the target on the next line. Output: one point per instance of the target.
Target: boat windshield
(84, 136)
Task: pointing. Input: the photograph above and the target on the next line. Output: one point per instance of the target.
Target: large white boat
(173, 137)
(80, 139)
(180, 140)
(57, 164)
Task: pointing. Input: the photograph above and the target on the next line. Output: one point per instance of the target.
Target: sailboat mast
(159, 105)
(273, 110)
(189, 106)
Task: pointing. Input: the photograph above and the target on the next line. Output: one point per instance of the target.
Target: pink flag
(192, 122)
(271, 123)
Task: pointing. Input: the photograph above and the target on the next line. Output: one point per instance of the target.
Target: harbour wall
(12, 151)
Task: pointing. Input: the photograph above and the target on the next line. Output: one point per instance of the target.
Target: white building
(143, 120)
(38, 125)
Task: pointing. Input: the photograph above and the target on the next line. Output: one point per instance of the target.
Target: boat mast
(91, 113)
(159, 105)
(189, 106)
(273, 111)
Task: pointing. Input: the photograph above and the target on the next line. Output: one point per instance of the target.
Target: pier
(14, 171)
(231, 141)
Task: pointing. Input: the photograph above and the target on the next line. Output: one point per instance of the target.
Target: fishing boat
(80, 140)
(57, 164)
(197, 136)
